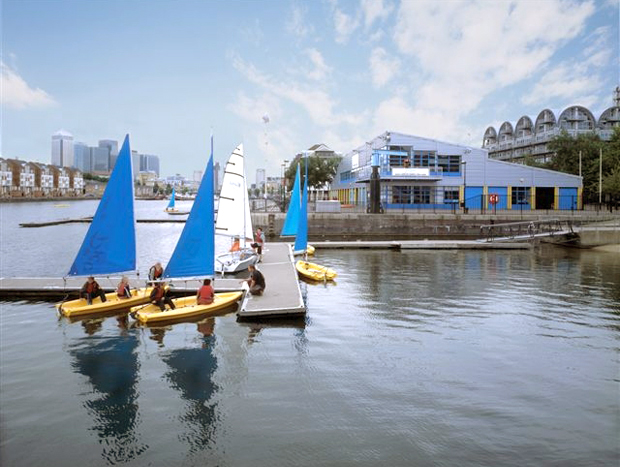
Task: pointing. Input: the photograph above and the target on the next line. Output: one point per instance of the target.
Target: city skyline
(282, 76)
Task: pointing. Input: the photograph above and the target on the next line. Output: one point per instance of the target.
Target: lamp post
(464, 164)
(283, 187)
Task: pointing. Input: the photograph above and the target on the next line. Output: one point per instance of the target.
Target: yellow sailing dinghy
(193, 257)
(314, 272)
(109, 246)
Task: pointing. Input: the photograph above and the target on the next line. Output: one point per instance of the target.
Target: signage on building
(411, 172)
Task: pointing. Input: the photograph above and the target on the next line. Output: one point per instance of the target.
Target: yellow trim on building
(556, 198)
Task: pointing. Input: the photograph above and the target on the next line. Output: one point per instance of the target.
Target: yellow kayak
(314, 271)
(186, 307)
(80, 307)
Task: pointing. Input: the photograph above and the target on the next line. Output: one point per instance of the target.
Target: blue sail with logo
(194, 254)
(301, 241)
(110, 243)
(292, 215)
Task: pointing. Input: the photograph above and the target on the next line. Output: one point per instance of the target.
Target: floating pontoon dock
(282, 296)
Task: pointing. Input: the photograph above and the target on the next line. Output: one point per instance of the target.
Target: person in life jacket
(259, 241)
(159, 296)
(156, 272)
(205, 293)
(123, 290)
(90, 290)
(256, 281)
(235, 246)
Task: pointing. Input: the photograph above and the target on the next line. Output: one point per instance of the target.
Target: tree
(566, 159)
(320, 171)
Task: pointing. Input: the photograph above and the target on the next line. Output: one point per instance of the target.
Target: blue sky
(324, 71)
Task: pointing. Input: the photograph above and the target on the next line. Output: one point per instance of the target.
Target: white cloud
(17, 94)
(315, 101)
(297, 22)
(320, 70)
(382, 67)
(373, 10)
(463, 51)
(344, 24)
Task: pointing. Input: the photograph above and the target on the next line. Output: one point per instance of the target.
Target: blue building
(421, 173)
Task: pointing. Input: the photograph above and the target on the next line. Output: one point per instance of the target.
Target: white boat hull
(236, 261)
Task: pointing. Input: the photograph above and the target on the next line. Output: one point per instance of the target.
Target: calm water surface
(438, 358)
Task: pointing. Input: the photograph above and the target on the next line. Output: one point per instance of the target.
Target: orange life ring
(493, 198)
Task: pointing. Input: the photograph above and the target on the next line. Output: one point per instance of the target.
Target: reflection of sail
(111, 366)
(191, 373)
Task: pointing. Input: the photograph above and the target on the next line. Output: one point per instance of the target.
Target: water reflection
(110, 363)
(191, 373)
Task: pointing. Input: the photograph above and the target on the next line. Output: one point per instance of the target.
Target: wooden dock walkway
(282, 296)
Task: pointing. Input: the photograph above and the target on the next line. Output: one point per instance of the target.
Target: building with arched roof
(529, 139)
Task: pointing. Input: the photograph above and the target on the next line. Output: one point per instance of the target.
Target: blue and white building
(421, 173)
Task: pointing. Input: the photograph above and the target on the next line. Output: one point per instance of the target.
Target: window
(421, 194)
(401, 195)
(423, 159)
(520, 195)
(450, 194)
(449, 164)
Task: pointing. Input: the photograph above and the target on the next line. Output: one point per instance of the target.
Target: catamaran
(109, 246)
(193, 258)
(233, 217)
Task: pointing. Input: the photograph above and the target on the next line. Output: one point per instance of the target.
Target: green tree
(320, 171)
(567, 153)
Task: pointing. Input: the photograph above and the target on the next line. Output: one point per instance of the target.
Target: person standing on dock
(256, 281)
(156, 272)
(259, 242)
(206, 293)
(90, 290)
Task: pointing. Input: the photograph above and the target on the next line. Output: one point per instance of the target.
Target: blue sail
(292, 215)
(110, 243)
(301, 241)
(194, 254)
(171, 203)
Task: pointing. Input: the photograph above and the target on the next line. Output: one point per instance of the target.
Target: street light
(464, 164)
(283, 185)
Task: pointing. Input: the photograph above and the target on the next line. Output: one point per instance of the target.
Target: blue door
(502, 197)
(473, 197)
(568, 199)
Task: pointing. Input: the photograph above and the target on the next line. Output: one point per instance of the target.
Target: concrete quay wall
(361, 226)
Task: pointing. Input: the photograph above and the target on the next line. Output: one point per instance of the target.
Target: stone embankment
(401, 226)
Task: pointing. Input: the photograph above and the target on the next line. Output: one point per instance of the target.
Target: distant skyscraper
(81, 157)
(112, 146)
(260, 177)
(100, 158)
(150, 163)
(62, 149)
(136, 161)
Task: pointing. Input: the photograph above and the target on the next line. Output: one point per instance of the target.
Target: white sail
(233, 212)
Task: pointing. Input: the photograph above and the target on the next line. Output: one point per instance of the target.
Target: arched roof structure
(609, 118)
(524, 127)
(490, 137)
(505, 131)
(576, 117)
(545, 121)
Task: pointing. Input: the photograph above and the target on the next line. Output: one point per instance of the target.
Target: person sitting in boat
(159, 296)
(90, 290)
(256, 281)
(206, 293)
(235, 246)
(259, 242)
(123, 290)
(156, 272)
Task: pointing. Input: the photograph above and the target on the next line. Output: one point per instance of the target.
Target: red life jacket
(159, 293)
(91, 287)
(205, 293)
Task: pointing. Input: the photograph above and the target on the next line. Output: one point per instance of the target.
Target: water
(439, 358)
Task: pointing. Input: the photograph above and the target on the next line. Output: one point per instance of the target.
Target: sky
(282, 75)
